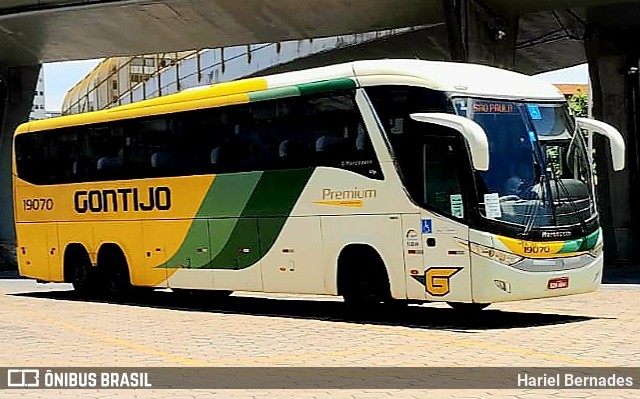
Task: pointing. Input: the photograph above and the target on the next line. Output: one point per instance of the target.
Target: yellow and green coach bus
(374, 180)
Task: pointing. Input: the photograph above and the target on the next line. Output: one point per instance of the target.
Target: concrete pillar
(480, 35)
(613, 54)
(17, 88)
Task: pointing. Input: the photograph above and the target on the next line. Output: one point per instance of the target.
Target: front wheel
(468, 307)
(363, 281)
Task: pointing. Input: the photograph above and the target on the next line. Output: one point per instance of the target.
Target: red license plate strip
(556, 283)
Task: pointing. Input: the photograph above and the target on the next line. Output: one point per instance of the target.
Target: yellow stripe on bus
(213, 96)
(537, 250)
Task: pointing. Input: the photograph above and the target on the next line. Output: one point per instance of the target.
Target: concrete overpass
(527, 35)
(33, 31)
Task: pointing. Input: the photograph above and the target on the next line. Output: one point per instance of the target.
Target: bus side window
(31, 157)
(340, 139)
(329, 145)
(162, 162)
(47, 159)
(107, 148)
(292, 154)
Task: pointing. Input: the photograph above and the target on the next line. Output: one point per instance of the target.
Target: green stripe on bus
(580, 244)
(226, 199)
(265, 214)
(239, 208)
(303, 89)
(240, 250)
(327, 85)
(590, 241)
(277, 192)
(229, 194)
(271, 94)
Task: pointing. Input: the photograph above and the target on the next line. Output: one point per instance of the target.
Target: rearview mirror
(616, 141)
(473, 133)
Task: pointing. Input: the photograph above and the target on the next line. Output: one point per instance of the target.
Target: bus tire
(114, 271)
(362, 277)
(78, 270)
(465, 307)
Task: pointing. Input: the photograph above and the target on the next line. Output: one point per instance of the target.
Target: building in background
(37, 110)
(579, 98)
(112, 78)
(124, 80)
(570, 90)
(52, 114)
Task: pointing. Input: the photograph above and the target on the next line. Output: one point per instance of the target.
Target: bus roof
(458, 78)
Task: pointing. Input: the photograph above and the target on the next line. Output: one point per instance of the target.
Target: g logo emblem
(437, 280)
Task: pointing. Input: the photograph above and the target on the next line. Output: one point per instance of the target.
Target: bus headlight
(596, 251)
(506, 258)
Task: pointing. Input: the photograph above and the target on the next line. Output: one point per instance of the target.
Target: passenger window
(340, 139)
(107, 151)
(295, 132)
(149, 148)
(31, 157)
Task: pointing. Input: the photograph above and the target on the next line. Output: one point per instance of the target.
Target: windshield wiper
(544, 185)
(563, 187)
(559, 183)
(532, 214)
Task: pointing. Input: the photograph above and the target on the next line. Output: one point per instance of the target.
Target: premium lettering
(122, 200)
(355, 193)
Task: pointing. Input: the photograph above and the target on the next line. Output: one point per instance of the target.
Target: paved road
(48, 326)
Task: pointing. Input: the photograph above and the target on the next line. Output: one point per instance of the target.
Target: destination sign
(485, 107)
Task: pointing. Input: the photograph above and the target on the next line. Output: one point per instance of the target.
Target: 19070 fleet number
(37, 204)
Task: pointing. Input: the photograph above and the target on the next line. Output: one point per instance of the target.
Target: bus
(379, 181)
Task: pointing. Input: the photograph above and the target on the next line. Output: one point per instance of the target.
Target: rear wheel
(468, 307)
(78, 271)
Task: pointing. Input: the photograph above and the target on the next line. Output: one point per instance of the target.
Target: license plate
(555, 283)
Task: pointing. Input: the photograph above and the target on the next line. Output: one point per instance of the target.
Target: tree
(579, 103)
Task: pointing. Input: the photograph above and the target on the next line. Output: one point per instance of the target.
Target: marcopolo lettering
(556, 234)
(122, 200)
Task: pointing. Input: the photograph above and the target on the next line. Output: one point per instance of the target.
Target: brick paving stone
(46, 326)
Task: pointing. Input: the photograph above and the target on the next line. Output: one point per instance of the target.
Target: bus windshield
(539, 173)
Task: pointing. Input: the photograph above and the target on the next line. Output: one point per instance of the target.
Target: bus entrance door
(444, 233)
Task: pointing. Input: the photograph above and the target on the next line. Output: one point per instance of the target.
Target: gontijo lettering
(122, 200)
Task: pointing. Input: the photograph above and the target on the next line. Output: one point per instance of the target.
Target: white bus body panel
(295, 262)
